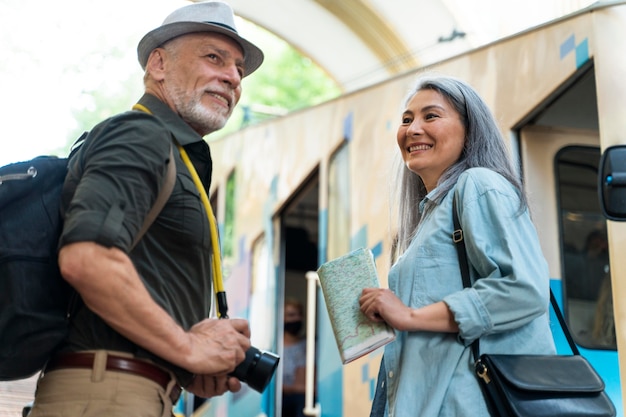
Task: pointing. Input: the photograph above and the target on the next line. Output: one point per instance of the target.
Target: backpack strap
(162, 198)
(164, 195)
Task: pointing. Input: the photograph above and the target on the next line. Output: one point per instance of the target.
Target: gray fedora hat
(210, 16)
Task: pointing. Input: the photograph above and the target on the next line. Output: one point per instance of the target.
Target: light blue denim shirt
(431, 374)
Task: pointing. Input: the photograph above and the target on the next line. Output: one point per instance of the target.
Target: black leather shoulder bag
(535, 385)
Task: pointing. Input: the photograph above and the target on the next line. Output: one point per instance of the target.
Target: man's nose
(231, 75)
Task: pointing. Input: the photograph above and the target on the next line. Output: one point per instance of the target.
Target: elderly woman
(453, 150)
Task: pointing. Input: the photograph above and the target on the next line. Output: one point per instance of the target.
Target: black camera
(257, 368)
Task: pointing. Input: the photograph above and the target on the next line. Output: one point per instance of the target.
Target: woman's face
(431, 136)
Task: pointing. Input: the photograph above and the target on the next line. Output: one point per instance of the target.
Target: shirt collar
(429, 199)
(183, 133)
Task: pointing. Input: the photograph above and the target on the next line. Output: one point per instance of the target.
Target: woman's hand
(381, 304)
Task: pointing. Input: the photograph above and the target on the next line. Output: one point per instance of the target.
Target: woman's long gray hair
(484, 147)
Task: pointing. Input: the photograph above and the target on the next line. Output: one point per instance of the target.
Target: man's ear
(156, 64)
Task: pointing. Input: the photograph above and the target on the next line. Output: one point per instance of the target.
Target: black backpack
(34, 298)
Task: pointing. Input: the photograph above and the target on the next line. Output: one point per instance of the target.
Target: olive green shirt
(113, 181)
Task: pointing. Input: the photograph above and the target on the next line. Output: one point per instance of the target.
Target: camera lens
(257, 368)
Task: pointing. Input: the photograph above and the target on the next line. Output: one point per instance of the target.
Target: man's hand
(217, 346)
(207, 386)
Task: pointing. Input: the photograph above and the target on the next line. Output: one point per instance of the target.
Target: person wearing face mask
(294, 358)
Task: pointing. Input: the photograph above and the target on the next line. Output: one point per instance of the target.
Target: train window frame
(263, 299)
(339, 204)
(588, 306)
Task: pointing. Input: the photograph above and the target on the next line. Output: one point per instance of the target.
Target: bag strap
(457, 238)
(164, 194)
(459, 243)
(162, 198)
(159, 203)
(566, 332)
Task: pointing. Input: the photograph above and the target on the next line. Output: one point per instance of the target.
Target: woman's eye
(406, 120)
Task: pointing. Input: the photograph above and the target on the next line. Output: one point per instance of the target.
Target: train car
(296, 191)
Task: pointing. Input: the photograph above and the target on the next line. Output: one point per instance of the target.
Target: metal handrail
(309, 393)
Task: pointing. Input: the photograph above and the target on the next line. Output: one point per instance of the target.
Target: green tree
(285, 82)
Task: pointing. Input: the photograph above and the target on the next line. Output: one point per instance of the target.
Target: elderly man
(140, 330)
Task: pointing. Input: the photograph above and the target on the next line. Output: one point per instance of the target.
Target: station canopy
(362, 42)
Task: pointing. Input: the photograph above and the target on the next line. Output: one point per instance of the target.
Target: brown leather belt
(119, 364)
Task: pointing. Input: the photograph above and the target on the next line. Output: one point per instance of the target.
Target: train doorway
(560, 151)
(299, 242)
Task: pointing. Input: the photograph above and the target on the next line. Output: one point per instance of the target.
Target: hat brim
(252, 56)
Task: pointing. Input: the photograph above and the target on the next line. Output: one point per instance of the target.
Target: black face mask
(293, 327)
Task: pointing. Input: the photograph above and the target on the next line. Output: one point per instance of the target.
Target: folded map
(342, 281)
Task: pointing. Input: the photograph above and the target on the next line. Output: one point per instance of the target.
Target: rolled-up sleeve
(509, 272)
(114, 180)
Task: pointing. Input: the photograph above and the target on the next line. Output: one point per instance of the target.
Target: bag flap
(553, 373)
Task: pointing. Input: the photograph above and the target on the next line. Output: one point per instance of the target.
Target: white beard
(189, 106)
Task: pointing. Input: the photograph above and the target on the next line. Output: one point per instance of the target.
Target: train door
(299, 243)
(560, 153)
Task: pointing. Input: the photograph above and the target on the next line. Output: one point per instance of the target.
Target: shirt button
(390, 374)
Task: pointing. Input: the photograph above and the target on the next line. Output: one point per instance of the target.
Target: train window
(584, 244)
(339, 203)
(229, 217)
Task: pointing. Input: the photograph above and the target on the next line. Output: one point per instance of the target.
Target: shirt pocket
(185, 218)
(436, 274)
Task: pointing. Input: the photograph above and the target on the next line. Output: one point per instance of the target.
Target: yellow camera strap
(218, 283)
